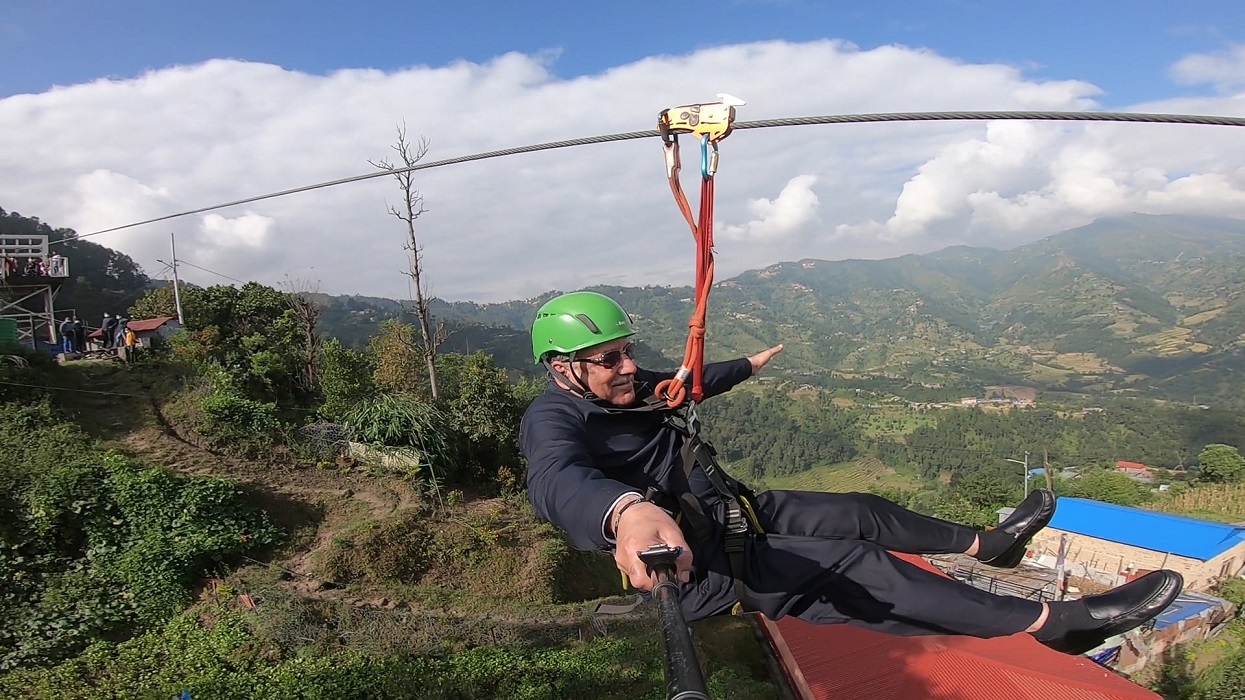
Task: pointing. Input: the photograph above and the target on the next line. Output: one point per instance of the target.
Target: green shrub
(215, 654)
(229, 419)
(92, 546)
(345, 379)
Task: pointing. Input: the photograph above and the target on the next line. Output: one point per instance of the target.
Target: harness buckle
(736, 524)
(693, 421)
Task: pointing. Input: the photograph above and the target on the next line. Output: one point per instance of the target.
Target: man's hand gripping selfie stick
(684, 680)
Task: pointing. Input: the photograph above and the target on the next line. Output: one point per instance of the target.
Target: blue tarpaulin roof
(1160, 532)
(1188, 604)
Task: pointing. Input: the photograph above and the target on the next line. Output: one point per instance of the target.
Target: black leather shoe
(1029, 517)
(1118, 610)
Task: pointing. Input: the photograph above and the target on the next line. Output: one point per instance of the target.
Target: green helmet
(576, 321)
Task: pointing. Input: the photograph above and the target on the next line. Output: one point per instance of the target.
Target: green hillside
(1140, 305)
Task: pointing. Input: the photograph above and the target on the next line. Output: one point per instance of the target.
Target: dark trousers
(824, 560)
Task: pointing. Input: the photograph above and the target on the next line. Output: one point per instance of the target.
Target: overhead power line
(66, 388)
(214, 272)
(1136, 117)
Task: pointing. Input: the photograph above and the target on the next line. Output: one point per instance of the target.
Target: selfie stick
(684, 680)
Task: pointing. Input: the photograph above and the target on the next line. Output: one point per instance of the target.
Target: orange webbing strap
(710, 122)
(673, 166)
(674, 391)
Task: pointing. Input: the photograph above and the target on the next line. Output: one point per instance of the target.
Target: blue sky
(1123, 47)
(203, 103)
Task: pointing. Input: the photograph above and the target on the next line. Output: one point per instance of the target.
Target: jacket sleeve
(718, 378)
(721, 377)
(562, 484)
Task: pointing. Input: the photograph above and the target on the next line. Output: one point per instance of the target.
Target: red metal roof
(149, 324)
(842, 662)
(1134, 466)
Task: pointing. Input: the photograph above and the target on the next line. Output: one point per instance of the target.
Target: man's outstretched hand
(642, 526)
(762, 358)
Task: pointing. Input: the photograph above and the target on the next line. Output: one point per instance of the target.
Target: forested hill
(101, 280)
(1144, 305)
(1140, 305)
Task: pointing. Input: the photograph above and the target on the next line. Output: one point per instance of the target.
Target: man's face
(607, 369)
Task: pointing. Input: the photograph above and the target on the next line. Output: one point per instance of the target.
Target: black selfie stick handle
(684, 680)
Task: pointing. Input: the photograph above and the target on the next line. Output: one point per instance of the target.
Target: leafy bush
(1219, 462)
(228, 418)
(1107, 486)
(94, 547)
(215, 654)
(345, 379)
(485, 410)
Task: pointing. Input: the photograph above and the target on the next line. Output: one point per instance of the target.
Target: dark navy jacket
(582, 458)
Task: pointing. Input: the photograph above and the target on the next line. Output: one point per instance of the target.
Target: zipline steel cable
(1135, 117)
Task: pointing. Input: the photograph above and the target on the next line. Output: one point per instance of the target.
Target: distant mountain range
(1140, 305)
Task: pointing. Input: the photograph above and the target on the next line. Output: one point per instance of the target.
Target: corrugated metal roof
(149, 324)
(1159, 532)
(146, 324)
(841, 662)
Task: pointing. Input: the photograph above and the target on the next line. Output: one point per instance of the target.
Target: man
(79, 335)
(121, 325)
(131, 345)
(606, 468)
(67, 336)
(108, 329)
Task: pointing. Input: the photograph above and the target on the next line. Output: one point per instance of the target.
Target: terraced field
(862, 475)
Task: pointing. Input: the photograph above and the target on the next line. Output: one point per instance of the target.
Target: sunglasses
(611, 359)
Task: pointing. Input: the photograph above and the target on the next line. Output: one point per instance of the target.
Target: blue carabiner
(708, 163)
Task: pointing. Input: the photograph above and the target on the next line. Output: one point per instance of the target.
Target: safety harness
(710, 123)
(740, 520)
(739, 517)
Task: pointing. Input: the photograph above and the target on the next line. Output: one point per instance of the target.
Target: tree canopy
(1219, 462)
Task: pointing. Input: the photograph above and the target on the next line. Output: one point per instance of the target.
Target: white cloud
(782, 217)
(1225, 69)
(250, 231)
(111, 152)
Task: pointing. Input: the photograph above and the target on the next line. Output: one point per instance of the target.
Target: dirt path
(344, 499)
(331, 501)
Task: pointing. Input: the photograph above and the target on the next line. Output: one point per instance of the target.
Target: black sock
(1065, 617)
(992, 543)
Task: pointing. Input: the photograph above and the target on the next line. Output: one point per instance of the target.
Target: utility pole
(1026, 464)
(1050, 480)
(177, 293)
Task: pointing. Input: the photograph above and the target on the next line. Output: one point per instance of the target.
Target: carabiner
(708, 162)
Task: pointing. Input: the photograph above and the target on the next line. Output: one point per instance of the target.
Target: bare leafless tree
(307, 307)
(408, 211)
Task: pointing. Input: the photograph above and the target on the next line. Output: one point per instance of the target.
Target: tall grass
(407, 424)
(1224, 502)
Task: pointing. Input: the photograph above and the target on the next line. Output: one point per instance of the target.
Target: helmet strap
(580, 390)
